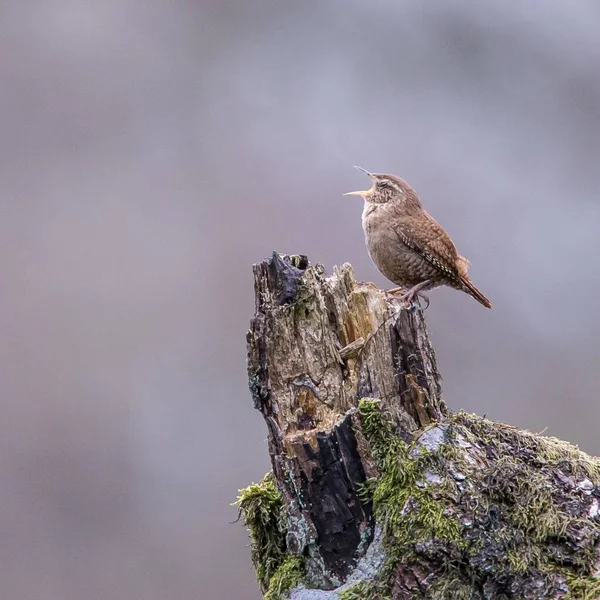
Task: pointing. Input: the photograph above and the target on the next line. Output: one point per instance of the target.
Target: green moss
(583, 588)
(446, 588)
(287, 576)
(404, 505)
(524, 557)
(485, 503)
(547, 450)
(530, 482)
(528, 499)
(476, 501)
(262, 508)
(365, 590)
(409, 510)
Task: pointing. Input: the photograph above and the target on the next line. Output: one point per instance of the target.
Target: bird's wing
(425, 236)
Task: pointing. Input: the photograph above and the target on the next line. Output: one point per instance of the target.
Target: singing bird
(407, 244)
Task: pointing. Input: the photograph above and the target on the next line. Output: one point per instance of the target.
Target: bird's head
(385, 188)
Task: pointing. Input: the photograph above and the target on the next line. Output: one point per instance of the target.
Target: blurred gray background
(151, 151)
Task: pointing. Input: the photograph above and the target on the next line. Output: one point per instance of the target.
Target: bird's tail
(470, 289)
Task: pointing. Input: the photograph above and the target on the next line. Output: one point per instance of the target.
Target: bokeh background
(151, 151)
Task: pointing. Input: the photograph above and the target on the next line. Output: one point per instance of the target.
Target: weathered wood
(316, 345)
(377, 491)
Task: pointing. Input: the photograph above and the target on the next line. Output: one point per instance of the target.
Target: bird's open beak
(364, 171)
(365, 192)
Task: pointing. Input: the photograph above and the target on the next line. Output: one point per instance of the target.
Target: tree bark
(379, 498)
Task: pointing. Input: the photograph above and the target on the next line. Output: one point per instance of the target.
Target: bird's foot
(414, 293)
(421, 296)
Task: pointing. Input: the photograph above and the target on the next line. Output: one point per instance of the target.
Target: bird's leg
(395, 290)
(409, 295)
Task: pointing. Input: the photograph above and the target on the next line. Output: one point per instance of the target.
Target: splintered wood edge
(318, 343)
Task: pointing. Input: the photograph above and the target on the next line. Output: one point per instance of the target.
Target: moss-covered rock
(470, 510)
(475, 509)
(405, 504)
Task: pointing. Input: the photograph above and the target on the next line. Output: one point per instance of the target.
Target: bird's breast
(391, 256)
(370, 215)
(381, 240)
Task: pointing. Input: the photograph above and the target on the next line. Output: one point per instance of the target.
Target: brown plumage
(408, 245)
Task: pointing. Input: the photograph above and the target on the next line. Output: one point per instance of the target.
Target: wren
(407, 244)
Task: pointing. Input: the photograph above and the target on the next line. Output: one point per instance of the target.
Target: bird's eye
(383, 182)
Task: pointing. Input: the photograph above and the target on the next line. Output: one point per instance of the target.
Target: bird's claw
(415, 300)
(411, 297)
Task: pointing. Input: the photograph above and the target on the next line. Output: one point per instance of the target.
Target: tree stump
(376, 490)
